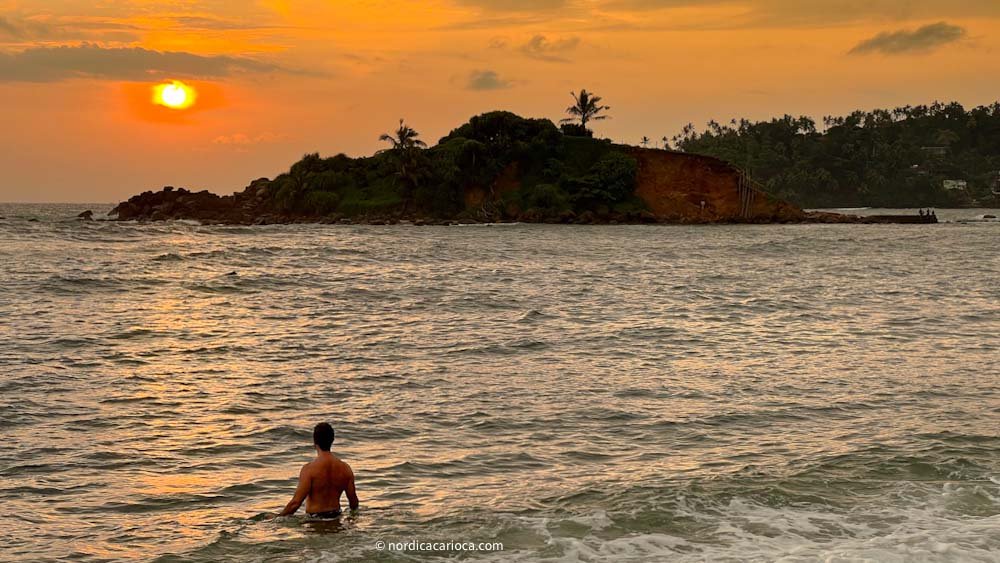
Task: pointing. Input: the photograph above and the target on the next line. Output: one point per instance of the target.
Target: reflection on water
(578, 393)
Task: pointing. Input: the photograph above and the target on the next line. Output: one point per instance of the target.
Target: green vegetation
(496, 166)
(586, 107)
(500, 166)
(884, 158)
(413, 167)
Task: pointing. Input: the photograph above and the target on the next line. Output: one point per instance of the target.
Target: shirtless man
(322, 480)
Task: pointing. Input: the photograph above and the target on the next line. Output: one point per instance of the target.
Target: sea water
(574, 393)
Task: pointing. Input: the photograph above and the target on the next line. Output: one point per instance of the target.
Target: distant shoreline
(862, 215)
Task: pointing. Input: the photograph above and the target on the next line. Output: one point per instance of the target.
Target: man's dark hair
(323, 436)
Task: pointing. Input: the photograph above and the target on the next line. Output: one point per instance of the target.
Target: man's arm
(301, 492)
(352, 494)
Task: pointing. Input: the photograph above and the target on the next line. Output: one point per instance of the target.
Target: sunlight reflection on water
(593, 393)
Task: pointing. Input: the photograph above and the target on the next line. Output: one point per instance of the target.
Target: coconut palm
(404, 139)
(586, 107)
(406, 144)
(666, 143)
(644, 142)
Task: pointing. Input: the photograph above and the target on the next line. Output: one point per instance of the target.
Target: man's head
(323, 436)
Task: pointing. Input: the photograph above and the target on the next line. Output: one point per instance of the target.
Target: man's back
(329, 477)
(323, 480)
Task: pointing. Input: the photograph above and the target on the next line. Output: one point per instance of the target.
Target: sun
(174, 95)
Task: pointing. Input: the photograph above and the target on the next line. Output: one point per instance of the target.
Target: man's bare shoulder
(343, 469)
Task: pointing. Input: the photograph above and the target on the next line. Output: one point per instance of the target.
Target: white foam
(906, 527)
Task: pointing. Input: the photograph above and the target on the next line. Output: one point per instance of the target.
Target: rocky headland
(497, 168)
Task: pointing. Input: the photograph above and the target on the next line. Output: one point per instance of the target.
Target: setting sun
(174, 95)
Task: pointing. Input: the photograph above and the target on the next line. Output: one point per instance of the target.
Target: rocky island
(498, 167)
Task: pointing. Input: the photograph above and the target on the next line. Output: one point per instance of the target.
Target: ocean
(571, 393)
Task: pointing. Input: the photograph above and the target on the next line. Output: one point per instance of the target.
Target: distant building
(956, 185)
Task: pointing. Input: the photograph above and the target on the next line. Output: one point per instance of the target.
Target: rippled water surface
(624, 393)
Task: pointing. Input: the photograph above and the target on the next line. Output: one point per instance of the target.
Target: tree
(575, 130)
(404, 139)
(586, 107)
(885, 158)
(644, 142)
(406, 145)
(666, 143)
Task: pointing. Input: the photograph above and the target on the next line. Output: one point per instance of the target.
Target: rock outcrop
(244, 207)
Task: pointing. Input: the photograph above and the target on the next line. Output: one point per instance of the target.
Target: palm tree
(405, 144)
(644, 142)
(586, 107)
(666, 143)
(403, 140)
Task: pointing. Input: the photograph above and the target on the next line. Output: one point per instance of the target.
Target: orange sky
(279, 78)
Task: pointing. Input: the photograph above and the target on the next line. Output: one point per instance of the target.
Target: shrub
(576, 130)
(320, 202)
(611, 179)
(546, 197)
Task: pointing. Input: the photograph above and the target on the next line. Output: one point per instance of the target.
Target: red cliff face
(682, 187)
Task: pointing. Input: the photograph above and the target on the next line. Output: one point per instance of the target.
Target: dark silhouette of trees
(508, 163)
(575, 130)
(406, 146)
(403, 139)
(886, 158)
(586, 107)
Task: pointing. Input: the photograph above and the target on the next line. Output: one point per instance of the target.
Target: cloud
(50, 28)
(244, 140)
(7, 28)
(218, 24)
(515, 5)
(496, 14)
(810, 13)
(486, 80)
(22, 29)
(49, 64)
(904, 41)
(541, 48)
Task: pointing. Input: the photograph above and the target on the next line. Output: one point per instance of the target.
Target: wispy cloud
(487, 80)
(201, 22)
(733, 14)
(9, 29)
(516, 5)
(18, 30)
(542, 48)
(922, 40)
(49, 64)
(244, 140)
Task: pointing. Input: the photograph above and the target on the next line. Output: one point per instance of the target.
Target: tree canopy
(521, 164)
(884, 158)
(586, 107)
